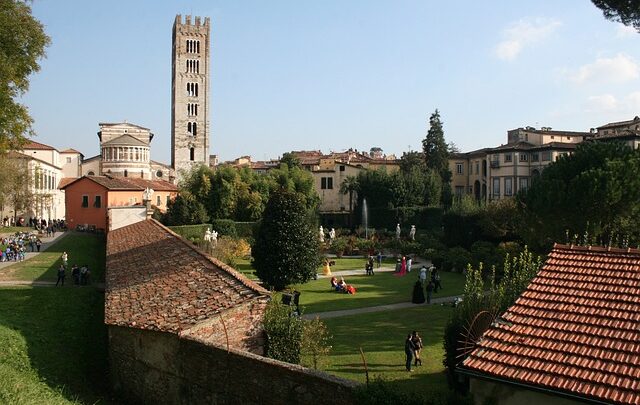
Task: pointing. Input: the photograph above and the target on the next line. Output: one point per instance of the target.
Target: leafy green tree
(435, 148)
(286, 245)
(594, 191)
(315, 341)
(284, 332)
(626, 12)
(350, 186)
(290, 160)
(185, 209)
(22, 45)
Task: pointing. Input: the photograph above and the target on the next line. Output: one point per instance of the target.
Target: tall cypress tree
(436, 151)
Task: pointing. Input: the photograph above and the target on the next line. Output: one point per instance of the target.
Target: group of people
(14, 248)
(80, 275)
(429, 279)
(403, 265)
(412, 348)
(342, 286)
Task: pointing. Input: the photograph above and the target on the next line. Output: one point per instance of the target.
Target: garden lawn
(244, 266)
(381, 336)
(54, 346)
(11, 230)
(381, 289)
(82, 248)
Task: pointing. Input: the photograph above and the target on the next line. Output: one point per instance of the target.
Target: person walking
(65, 259)
(436, 280)
(409, 350)
(409, 262)
(423, 275)
(60, 276)
(379, 258)
(429, 292)
(417, 343)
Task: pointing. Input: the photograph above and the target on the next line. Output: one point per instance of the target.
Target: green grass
(82, 248)
(381, 336)
(244, 266)
(10, 230)
(381, 289)
(54, 347)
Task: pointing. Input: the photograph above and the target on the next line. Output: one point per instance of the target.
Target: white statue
(332, 235)
(412, 233)
(214, 237)
(398, 231)
(146, 194)
(321, 234)
(207, 235)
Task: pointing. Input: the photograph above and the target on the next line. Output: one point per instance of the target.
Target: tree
(315, 341)
(290, 160)
(22, 45)
(626, 12)
(286, 246)
(350, 186)
(185, 210)
(436, 150)
(595, 192)
(17, 183)
(284, 331)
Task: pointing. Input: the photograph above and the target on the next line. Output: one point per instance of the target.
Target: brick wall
(243, 324)
(163, 368)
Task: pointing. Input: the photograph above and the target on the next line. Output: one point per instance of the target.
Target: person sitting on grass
(334, 284)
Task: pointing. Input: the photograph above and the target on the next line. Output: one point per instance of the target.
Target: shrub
(456, 259)
(284, 332)
(225, 227)
(229, 250)
(315, 341)
(245, 230)
(339, 245)
(194, 233)
(286, 245)
(486, 253)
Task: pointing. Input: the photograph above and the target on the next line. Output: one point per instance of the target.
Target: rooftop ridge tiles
(228, 269)
(592, 248)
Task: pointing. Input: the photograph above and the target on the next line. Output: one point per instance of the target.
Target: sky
(333, 75)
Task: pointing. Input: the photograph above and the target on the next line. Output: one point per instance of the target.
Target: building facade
(190, 93)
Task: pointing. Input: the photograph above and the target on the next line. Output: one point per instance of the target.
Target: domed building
(125, 152)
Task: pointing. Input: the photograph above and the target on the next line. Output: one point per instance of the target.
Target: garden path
(46, 243)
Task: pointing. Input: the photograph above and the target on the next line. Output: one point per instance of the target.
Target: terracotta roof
(37, 145)
(574, 330)
(620, 123)
(128, 183)
(157, 280)
(65, 181)
(71, 150)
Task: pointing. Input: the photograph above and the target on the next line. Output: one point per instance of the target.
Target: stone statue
(412, 233)
(146, 194)
(321, 234)
(398, 231)
(207, 235)
(332, 235)
(214, 237)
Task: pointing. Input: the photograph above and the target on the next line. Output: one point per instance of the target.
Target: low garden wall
(163, 368)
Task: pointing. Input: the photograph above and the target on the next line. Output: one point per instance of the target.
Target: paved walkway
(379, 308)
(46, 243)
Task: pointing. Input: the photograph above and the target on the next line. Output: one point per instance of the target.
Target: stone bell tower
(190, 93)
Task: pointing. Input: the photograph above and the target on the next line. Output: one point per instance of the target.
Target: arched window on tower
(192, 153)
(126, 173)
(193, 127)
(196, 90)
(198, 46)
(189, 127)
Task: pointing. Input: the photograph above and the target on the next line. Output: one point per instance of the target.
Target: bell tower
(190, 93)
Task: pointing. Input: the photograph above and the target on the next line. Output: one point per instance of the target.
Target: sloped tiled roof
(37, 146)
(157, 185)
(620, 123)
(65, 181)
(156, 280)
(126, 140)
(70, 150)
(126, 183)
(574, 330)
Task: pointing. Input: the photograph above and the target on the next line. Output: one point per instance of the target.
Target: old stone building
(190, 93)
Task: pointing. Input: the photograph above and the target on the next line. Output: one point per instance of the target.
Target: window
(524, 157)
(192, 109)
(496, 188)
(477, 168)
(126, 173)
(459, 168)
(85, 201)
(192, 153)
(508, 157)
(546, 156)
(523, 183)
(534, 157)
(159, 173)
(553, 137)
(168, 199)
(192, 89)
(342, 168)
(508, 186)
(158, 200)
(68, 160)
(459, 191)
(559, 155)
(98, 202)
(326, 183)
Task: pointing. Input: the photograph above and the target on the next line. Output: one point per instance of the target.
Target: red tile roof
(71, 150)
(65, 181)
(156, 280)
(126, 183)
(156, 185)
(575, 329)
(37, 145)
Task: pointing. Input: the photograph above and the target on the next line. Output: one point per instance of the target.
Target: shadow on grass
(65, 337)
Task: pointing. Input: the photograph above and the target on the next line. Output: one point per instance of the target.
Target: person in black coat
(409, 349)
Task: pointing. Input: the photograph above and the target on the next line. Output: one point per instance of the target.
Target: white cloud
(524, 32)
(618, 69)
(605, 102)
(624, 31)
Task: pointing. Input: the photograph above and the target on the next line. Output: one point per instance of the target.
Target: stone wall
(163, 368)
(243, 327)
